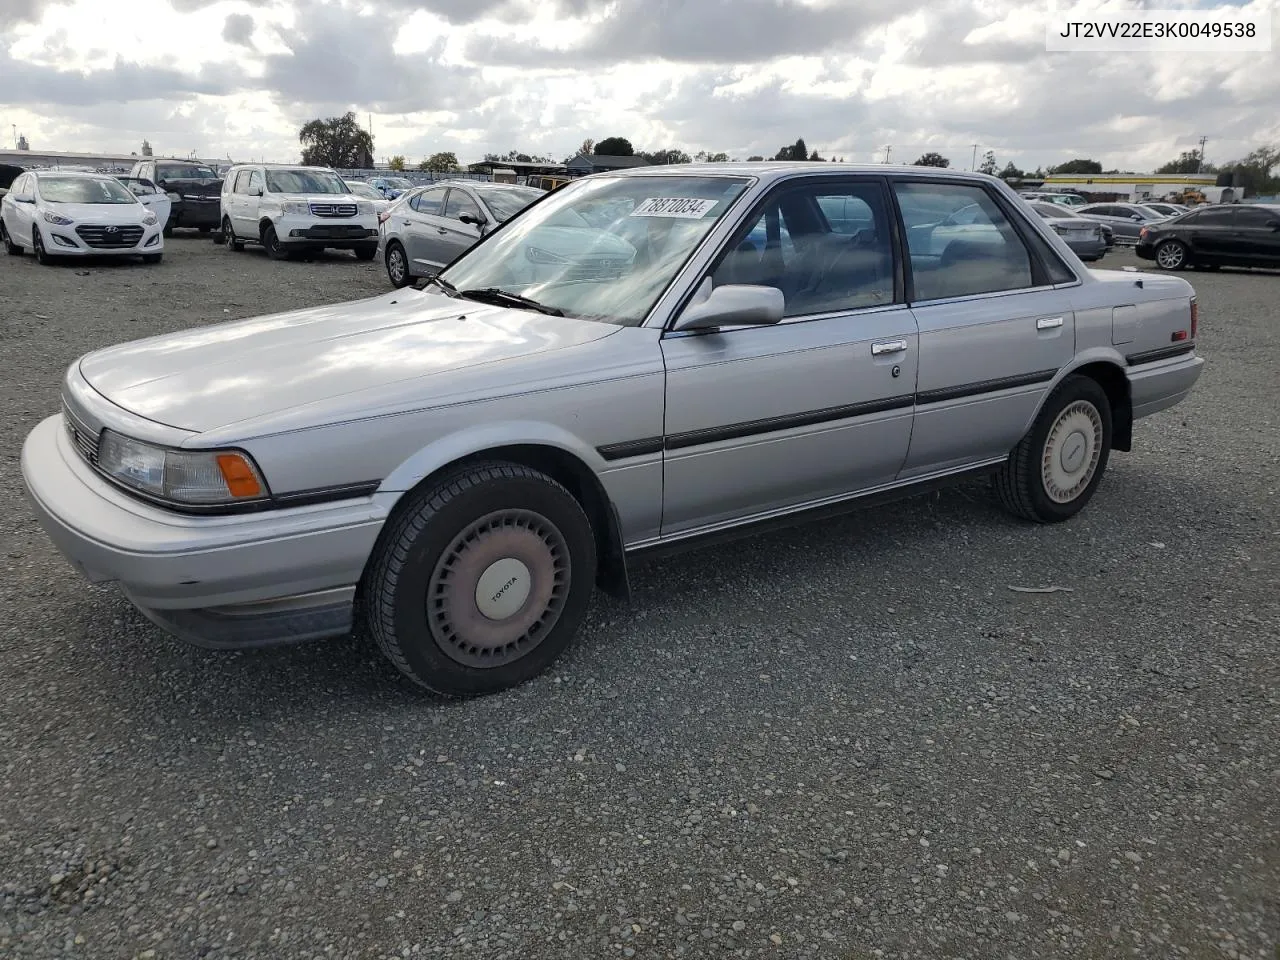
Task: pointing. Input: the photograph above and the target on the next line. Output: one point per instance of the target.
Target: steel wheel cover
(498, 588)
(1170, 256)
(1071, 452)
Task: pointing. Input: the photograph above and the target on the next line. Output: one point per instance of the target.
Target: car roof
(81, 174)
(769, 171)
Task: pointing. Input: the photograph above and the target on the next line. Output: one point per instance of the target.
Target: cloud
(13, 12)
(30, 84)
(238, 29)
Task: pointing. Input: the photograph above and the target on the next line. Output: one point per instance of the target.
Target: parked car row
(464, 464)
(1223, 235)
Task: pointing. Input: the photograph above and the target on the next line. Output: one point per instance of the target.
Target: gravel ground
(848, 740)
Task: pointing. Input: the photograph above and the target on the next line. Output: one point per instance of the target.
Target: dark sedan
(1227, 235)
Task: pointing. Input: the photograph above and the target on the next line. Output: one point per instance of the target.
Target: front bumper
(324, 232)
(63, 241)
(222, 581)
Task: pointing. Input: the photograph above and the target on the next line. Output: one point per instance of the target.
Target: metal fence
(416, 177)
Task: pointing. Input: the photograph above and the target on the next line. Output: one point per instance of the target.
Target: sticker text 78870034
(684, 208)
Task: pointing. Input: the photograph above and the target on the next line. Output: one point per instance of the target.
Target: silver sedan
(1084, 236)
(1126, 220)
(428, 227)
(639, 362)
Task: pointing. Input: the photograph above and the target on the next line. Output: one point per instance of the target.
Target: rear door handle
(1048, 323)
(441, 230)
(887, 347)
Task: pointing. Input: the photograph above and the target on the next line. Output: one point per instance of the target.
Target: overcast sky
(238, 77)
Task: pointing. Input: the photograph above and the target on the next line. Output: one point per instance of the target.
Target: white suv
(292, 210)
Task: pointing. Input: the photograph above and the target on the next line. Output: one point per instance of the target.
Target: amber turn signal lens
(241, 479)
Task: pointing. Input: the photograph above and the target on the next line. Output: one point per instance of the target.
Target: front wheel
(153, 258)
(482, 579)
(366, 251)
(1171, 255)
(397, 265)
(275, 249)
(11, 248)
(37, 247)
(1055, 469)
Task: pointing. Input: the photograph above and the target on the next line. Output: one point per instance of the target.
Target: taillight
(1195, 317)
(1142, 234)
(383, 217)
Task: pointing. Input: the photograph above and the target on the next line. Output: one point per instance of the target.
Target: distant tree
(1253, 173)
(755, 159)
(933, 159)
(703, 157)
(663, 157)
(441, 162)
(146, 148)
(397, 162)
(1010, 172)
(336, 142)
(1078, 166)
(615, 147)
(988, 164)
(22, 142)
(814, 156)
(1188, 162)
(588, 147)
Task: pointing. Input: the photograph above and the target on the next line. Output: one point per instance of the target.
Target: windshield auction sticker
(683, 208)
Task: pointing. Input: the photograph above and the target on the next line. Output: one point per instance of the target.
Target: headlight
(296, 207)
(149, 220)
(196, 477)
(58, 219)
(363, 208)
(538, 255)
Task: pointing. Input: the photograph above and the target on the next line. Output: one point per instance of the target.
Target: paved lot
(844, 741)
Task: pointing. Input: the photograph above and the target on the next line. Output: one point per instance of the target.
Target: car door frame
(456, 228)
(423, 249)
(966, 328)
(1244, 238)
(784, 441)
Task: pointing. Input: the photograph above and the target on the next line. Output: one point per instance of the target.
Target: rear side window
(1215, 218)
(960, 243)
(1253, 217)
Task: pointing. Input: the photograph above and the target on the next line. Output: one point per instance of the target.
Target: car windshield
(1055, 210)
(600, 248)
(398, 182)
(185, 171)
(83, 190)
(1147, 213)
(506, 202)
(364, 190)
(305, 181)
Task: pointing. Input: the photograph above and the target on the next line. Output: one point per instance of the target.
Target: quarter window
(960, 242)
(827, 247)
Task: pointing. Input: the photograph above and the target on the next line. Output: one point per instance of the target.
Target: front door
(458, 237)
(764, 419)
(993, 331)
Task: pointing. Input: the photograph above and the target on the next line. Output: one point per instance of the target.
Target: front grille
(333, 209)
(84, 440)
(110, 238)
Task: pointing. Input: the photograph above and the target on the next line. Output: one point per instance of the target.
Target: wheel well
(581, 481)
(262, 226)
(1113, 380)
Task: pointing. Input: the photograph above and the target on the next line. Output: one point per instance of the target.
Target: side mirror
(734, 304)
(1135, 218)
(474, 221)
(1274, 224)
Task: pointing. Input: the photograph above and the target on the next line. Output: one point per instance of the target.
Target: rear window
(185, 171)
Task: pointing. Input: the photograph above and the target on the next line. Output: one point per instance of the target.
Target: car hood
(118, 213)
(216, 376)
(313, 198)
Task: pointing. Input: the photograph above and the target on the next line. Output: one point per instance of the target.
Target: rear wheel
(366, 251)
(1055, 469)
(397, 265)
(482, 580)
(1171, 255)
(10, 247)
(275, 249)
(229, 235)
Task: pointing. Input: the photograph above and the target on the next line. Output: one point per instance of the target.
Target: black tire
(37, 247)
(481, 521)
(168, 228)
(1171, 255)
(398, 265)
(152, 257)
(366, 251)
(275, 249)
(229, 236)
(10, 247)
(1022, 484)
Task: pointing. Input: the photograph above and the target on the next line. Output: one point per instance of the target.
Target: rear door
(993, 329)
(818, 406)
(1255, 235)
(417, 224)
(1211, 233)
(20, 209)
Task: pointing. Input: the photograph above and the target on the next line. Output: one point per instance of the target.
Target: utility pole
(1200, 160)
(886, 153)
(973, 165)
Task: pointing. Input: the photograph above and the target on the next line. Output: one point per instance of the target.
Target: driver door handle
(1048, 323)
(887, 347)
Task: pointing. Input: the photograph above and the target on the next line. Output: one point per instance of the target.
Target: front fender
(476, 439)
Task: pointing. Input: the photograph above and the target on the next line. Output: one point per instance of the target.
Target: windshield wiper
(505, 297)
(449, 289)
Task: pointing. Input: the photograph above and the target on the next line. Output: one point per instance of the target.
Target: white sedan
(366, 192)
(65, 214)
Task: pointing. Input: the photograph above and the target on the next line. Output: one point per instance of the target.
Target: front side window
(958, 259)
(827, 247)
(305, 181)
(603, 249)
(458, 204)
(83, 190)
(255, 183)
